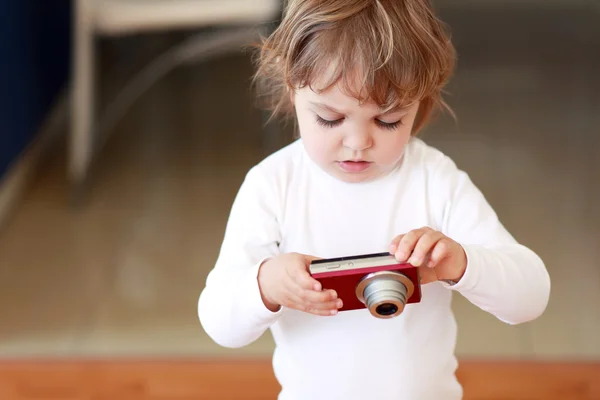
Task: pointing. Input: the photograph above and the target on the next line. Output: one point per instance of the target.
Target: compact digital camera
(377, 282)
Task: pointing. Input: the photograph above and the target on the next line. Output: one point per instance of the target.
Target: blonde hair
(397, 49)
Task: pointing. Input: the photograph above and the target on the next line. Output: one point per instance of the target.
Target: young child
(362, 77)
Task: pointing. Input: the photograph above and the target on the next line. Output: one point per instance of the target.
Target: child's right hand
(284, 281)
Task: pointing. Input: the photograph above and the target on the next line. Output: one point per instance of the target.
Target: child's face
(352, 142)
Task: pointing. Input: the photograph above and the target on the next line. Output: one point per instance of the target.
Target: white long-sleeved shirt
(288, 204)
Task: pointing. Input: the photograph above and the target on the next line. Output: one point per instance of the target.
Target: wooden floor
(250, 379)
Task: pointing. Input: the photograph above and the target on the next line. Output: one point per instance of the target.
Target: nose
(358, 141)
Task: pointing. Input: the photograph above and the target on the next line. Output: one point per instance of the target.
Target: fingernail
(317, 287)
(333, 312)
(400, 256)
(339, 304)
(414, 261)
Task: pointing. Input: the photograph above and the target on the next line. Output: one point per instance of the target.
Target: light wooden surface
(253, 379)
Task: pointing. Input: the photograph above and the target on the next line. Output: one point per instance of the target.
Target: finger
(407, 244)
(323, 308)
(332, 305)
(310, 259)
(308, 294)
(394, 243)
(331, 309)
(300, 275)
(441, 251)
(315, 297)
(424, 245)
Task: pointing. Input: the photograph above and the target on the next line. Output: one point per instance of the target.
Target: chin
(354, 178)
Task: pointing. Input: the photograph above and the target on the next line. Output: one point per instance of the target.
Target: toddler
(361, 78)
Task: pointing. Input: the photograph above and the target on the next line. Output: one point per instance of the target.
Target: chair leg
(82, 106)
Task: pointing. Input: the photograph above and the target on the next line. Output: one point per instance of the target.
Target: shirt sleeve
(230, 307)
(503, 277)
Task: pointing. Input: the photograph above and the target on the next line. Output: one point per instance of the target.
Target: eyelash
(332, 124)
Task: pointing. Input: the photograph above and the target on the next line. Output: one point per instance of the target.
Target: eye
(388, 125)
(327, 123)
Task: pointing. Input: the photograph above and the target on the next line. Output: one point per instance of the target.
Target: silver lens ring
(385, 293)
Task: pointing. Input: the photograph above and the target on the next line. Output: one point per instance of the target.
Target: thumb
(308, 258)
(427, 275)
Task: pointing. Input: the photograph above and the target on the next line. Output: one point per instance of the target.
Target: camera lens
(385, 297)
(385, 293)
(386, 309)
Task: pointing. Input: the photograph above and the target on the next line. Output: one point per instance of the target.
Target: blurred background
(127, 126)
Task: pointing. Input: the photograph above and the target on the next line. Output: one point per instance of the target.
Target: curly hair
(391, 52)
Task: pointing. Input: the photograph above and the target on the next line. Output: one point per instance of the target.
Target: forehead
(334, 96)
(353, 87)
(336, 99)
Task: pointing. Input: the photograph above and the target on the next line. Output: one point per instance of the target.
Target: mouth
(354, 166)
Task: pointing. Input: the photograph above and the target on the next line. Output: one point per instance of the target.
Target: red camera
(377, 282)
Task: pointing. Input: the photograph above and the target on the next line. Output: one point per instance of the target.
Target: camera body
(377, 282)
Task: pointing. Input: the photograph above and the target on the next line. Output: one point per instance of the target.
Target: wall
(34, 67)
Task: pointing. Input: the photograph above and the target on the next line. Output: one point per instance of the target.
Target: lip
(354, 166)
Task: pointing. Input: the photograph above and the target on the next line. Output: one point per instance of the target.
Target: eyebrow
(332, 109)
(325, 107)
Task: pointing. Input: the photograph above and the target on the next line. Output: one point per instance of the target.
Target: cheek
(318, 142)
(392, 146)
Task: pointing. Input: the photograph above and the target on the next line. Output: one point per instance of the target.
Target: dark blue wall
(34, 67)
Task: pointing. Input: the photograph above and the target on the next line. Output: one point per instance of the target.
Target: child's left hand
(439, 257)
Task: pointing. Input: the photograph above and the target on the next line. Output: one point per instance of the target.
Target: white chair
(92, 18)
